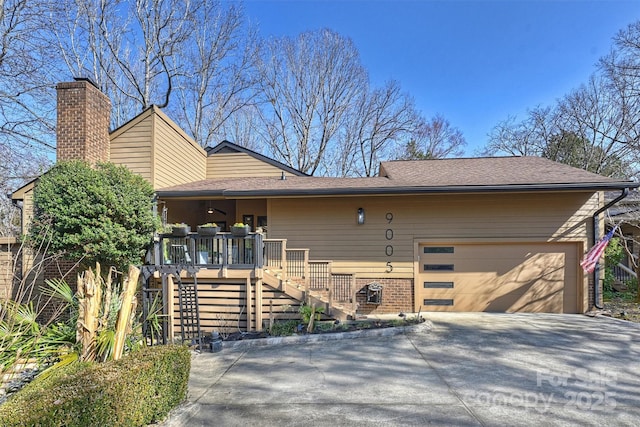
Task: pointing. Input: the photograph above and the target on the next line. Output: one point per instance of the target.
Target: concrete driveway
(475, 369)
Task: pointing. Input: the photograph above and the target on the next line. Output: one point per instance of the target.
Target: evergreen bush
(102, 214)
(139, 389)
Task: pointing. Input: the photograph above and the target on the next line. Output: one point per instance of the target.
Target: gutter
(394, 190)
(596, 233)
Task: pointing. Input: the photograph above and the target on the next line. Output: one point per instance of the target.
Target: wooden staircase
(312, 282)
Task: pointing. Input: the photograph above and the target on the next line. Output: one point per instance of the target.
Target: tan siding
(253, 208)
(132, 148)
(178, 159)
(8, 252)
(194, 212)
(27, 211)
(328, 226)
(27, 217)
(233, 165)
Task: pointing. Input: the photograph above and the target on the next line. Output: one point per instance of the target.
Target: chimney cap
(86, 79)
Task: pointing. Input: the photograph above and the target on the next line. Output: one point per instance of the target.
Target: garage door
(540, 278)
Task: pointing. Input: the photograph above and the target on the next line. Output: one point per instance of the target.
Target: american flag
(591, 258)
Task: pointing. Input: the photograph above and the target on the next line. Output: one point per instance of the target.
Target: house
(478, 234)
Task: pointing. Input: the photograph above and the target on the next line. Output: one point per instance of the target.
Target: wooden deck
(243, 283)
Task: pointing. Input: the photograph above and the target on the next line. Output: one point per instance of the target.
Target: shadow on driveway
(469, 369)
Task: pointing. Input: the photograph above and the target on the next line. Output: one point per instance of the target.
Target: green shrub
(102, 214)
(308, 311)
(284, 328)
(613, 254)
(136, 390)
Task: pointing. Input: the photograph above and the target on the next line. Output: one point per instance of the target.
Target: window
(438, 285)
(438, 249)
(248, 220)
(436, 301)
(438, 267)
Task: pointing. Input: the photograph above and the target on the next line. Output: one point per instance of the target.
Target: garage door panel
(497, 297)
(493, 277)
(479, 258)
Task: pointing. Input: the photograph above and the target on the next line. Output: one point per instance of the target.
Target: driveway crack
(449, 386)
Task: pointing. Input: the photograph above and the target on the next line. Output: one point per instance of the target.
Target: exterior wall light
(360, 216)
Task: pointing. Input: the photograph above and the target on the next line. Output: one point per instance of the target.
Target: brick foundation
(397, 296)
(56, 269)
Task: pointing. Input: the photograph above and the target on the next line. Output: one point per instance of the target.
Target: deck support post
(258, 304)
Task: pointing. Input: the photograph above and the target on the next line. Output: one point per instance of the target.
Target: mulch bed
(340, 327)
(621, 308)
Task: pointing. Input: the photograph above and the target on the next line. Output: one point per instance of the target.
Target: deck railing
(623, 273)
(223, 250)
(274, 254)
(298, 264)
(314, 275)
(320, 275)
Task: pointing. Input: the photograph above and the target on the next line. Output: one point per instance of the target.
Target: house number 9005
(388, 250)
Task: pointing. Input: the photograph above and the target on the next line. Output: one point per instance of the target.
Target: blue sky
(476, 62)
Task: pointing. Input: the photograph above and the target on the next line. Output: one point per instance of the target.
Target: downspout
(596, 233)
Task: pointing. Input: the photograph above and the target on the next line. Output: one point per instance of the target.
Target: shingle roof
(416, 176)
(488, 171)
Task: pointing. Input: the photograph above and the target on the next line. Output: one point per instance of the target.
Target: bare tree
(90, 36)
(594, 112)
(620, 72)
(27, 109)
(307, 85)
(583, 130)
(129, 48)
(244, 128)
(525, 138)
(595, 127)
(193, 58)
(377, 121)
(218, 73)
(434, 139)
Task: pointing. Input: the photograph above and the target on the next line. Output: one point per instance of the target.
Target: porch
(227, 284)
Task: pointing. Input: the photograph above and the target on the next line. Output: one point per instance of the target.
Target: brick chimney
(83, 122)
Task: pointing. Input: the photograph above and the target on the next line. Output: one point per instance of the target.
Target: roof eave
(190, 193)
(514, 188)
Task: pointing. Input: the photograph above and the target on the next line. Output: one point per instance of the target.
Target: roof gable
(226, 147)
(20, 192)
